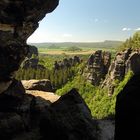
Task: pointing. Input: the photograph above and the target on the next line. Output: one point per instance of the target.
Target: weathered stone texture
(97, 67)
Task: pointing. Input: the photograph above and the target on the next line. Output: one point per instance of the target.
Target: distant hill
(105, 44)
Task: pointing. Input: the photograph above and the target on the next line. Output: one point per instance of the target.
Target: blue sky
(89, 21)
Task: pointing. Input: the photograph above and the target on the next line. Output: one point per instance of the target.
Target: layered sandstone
(125, 61)
(97, 67)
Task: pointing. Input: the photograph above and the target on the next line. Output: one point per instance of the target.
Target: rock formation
(42, 85)
(18, 20)
(70, 119)
(97, 67)
(32, 59)
(66, 63)
(127, 60)
(32, 63)
(24, 116)
(127, 120)
(33, 51)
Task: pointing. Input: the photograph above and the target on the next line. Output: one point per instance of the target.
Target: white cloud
(138, 29)
(67, 35)
(126, 29)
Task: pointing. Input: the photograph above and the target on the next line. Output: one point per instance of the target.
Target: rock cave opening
(26, 115)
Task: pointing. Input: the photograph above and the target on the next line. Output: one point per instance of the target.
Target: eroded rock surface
(66, 63)
(18, 20)
(127, 60)
(97, 67)
(42, 85)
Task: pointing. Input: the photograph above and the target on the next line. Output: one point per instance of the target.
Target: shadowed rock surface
(18, 20)
(26, 117)
(128, 111)
(106, 129)
(32, 60)
(70, 119)
(33, 51)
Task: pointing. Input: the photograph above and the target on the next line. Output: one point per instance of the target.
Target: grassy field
(84, 48)
(84, 51)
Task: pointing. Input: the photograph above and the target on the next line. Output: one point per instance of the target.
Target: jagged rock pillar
(18, 20)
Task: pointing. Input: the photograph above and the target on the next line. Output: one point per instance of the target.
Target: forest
(67, 77)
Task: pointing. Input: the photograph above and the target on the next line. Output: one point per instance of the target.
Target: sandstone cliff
(127, 60)
(97, 67)
(66, 63)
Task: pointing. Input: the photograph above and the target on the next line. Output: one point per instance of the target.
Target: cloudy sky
(89, 21)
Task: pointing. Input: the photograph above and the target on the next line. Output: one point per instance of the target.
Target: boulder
(42, 85)
(40, 117)
(50, 96)
(69, 118)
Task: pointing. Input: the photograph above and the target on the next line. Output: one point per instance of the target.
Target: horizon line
(75, 41)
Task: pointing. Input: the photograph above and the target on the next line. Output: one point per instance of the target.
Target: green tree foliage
(58, 78)
(132, 42)
(100, 104)
(122, 84)
(73, 49)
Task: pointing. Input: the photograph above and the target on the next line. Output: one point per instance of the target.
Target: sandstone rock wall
(127, 60)
(66, 63)
(97, 67)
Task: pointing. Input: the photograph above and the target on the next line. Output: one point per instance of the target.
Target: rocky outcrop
(23, 116)
(42, 85)
(32, 60)
(97, 67)
(18, 20)
(70, 119)
(127, 60)
(127, 120)
(49, 96)
(66, 63)
(33, 51)
(32, 63)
